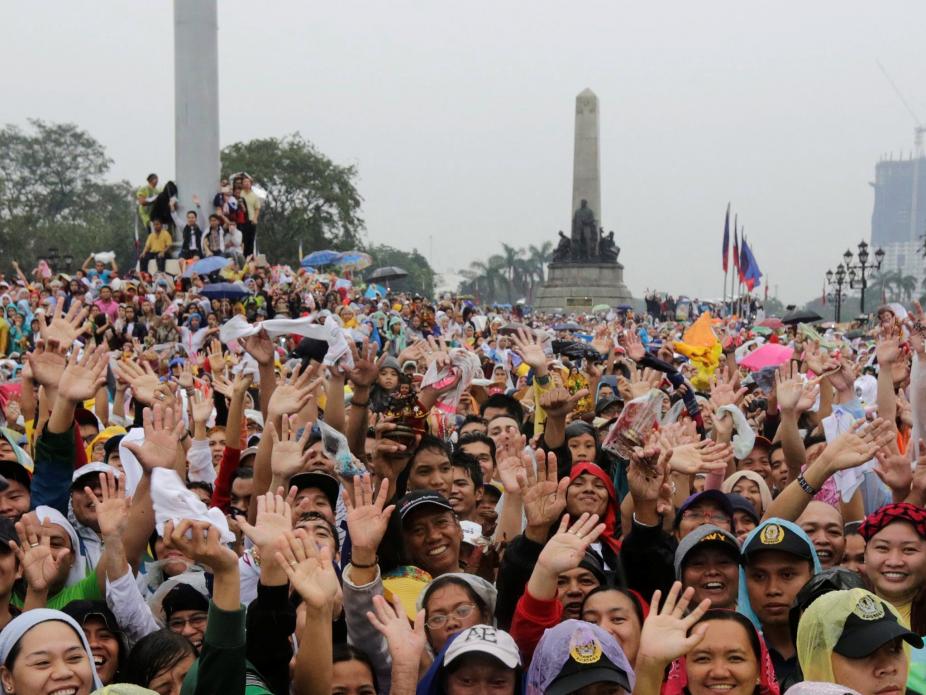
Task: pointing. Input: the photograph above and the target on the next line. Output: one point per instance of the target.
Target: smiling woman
(44, 650)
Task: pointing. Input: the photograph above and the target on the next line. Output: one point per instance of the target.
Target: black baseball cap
(421, 498)
(326, 483)
(12, 470)
(830, 579)
(775, 536)
(869, 626)
(605, 403)
(741, 504)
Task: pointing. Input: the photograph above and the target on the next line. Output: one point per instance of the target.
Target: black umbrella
(576, 350)
(567, 326)
(801, 316)
(224, 290)
(387, 273)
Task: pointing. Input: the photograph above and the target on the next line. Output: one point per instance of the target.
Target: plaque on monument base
(576, 287)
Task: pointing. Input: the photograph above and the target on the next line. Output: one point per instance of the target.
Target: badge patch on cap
(869, 609)
(772, 534)
(584, 647)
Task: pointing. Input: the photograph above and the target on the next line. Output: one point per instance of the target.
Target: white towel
(745, 438)
(338, 349)
(172, 501)
(842, 419)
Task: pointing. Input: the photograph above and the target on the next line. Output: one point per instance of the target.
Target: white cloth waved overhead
(331, 332)
(172, 501)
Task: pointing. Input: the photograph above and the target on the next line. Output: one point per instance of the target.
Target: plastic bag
(336, 446)
(637, 421)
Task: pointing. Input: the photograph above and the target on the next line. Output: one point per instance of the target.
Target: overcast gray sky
(459, 116)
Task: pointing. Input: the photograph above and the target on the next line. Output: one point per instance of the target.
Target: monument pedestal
(578, 286)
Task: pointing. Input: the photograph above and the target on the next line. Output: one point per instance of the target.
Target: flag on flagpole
(726, 240)
(736, 253)
(751, 273)
(824, 293)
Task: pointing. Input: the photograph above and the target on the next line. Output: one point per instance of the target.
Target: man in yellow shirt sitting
(157, 246)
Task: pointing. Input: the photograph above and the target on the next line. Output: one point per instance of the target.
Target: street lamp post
(837, 281)
(857, 271)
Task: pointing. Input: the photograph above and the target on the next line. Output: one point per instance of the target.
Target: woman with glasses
(454, 602)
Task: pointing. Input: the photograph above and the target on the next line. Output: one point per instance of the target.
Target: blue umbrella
(326, 257)
(204, 266)
(355, 259)
(224, 290)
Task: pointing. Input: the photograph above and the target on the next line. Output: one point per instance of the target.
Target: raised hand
(706, 456)
(162, 439)
(813, 358)
(112, 506)
(558, 402)
(858, 445)
(39, 561)
(565, 550)
(216, 358)
(140, 377)
(724, 389)
(309, 569)
(64, 329)
(366, 365)
(895, 470)
(83, 377)
(294, 392)
(665, 631)
(186, 376)
(47, 363)
(512, 468)
(367, 517)
(646, 472)
(260, 347)
(289, 455)
(529, 347)
(274, 518)
(201, 407)
(632, 345)
(793, 395)
(544, 497)
(406, 642)
(888, 351)
(204, 545)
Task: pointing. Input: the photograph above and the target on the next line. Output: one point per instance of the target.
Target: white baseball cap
(95, 467)
(484, 639)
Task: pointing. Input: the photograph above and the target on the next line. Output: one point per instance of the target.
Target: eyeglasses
(715, 518)
(197, 621)
(436, 622)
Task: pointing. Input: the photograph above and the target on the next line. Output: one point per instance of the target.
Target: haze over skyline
(460, 118)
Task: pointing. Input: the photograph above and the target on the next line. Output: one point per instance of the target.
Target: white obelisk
(196, 103)
(586, 171)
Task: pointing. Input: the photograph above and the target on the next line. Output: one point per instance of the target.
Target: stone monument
(584, 270)
(196, 103)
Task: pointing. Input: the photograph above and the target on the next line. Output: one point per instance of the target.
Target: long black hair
(154, 653)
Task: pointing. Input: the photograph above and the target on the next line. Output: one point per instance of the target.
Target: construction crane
(918, 132)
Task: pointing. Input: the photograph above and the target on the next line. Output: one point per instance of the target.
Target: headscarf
(554, 648)
(888, 514)
(78, 568)
(611, 516)
(21, 624)
(102, 438)
(399, 341)
(821, 627)
(764, 492)
(743, 605)
(677, 680)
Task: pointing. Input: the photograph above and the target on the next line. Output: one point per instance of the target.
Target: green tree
(309, 197)
(53, 194)
(420, 274)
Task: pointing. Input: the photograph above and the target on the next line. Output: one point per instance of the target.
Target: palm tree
(907, 285)
(539, 257)
(880, 283)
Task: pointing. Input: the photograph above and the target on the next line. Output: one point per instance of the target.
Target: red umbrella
(772, 322)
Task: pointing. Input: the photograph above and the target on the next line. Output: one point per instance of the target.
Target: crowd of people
(317, 489)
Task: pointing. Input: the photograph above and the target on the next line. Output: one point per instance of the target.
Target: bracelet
(359, 404)
(365, 567)
(543, 380)
(805, 486)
